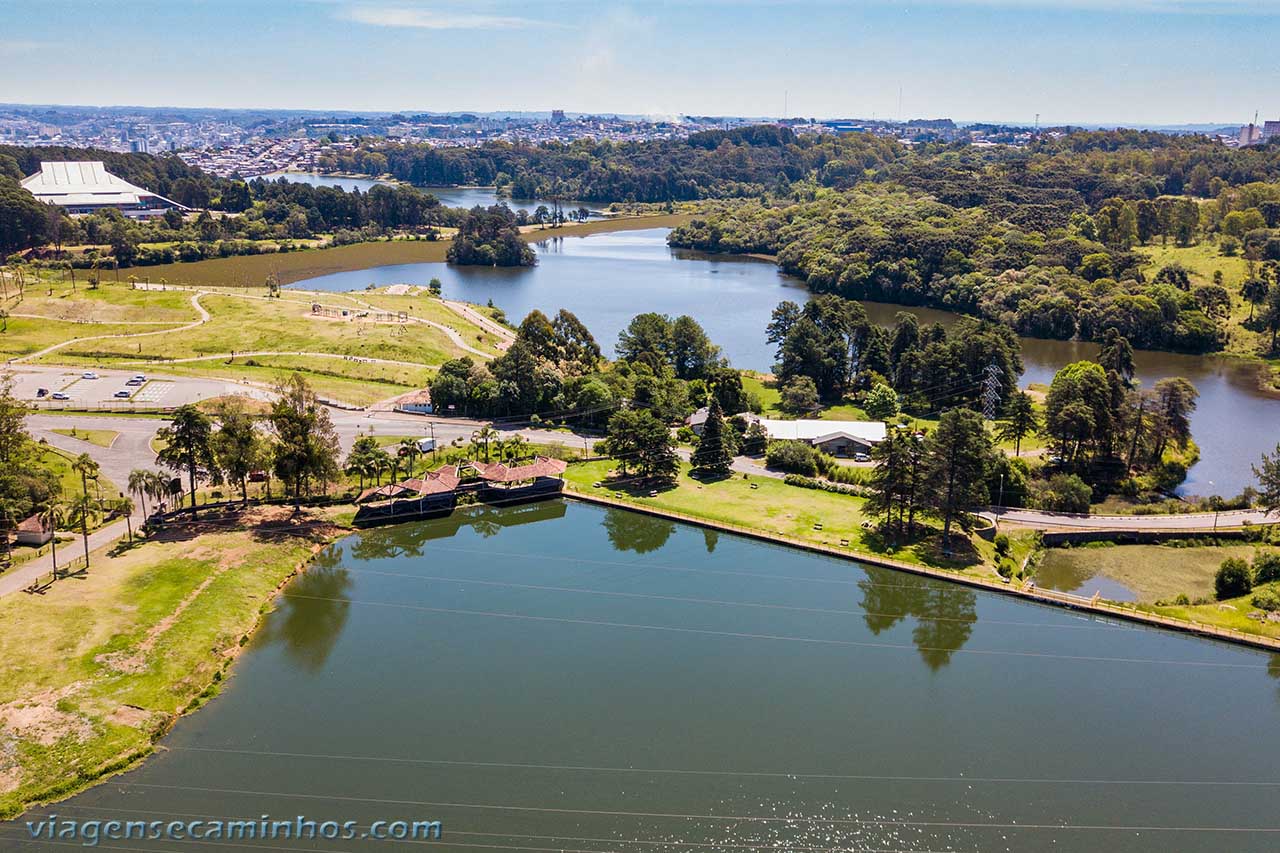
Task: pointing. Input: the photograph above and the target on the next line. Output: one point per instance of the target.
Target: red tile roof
(542, 466)
(34, 524)
(393, 490)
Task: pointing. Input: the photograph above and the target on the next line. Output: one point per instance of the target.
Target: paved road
(1183, 521)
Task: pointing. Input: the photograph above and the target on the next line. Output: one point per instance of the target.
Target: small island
(489, 237)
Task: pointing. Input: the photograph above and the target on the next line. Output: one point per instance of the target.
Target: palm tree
(4, 320)
(50, 515)
(482, 437)
(140, 485)
(517, 446)
(88, 470)
(408, 450)
(125, 505)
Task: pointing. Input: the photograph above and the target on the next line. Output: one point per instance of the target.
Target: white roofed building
(839, 438)
(86, 187)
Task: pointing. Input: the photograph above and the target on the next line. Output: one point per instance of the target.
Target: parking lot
(100, 392)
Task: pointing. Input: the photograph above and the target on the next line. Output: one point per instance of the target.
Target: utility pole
(991, 388)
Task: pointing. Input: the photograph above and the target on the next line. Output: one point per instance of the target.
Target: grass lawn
(1202, 260)
(59, 462)
(26, 335)
(356, 383)
(100, 437)
(1153, 572)
(92, 672)
(774, 507)
(1231, 613)
(109, 303)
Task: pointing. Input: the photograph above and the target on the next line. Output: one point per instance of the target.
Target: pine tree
(714, 452)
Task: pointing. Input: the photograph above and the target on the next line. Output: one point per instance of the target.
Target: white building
(838, 438)
(87, 187)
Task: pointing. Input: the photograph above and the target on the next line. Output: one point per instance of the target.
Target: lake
(467, 197)
(564, 677)
(608, 278)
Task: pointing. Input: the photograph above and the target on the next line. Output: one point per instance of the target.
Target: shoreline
(1037, 595)
(251, 271)
(134, 757)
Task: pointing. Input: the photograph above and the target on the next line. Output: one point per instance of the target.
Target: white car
(88, 374)
(59, 395)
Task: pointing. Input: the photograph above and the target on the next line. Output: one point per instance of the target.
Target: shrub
(1266, 567)
(1183, 599)
(794, 457)
(1002, 544)
(1063, 493)
(824, 486)
(799, 395)
(881, 403)
(1267, 599)
(1233, 579)
(1006, 568)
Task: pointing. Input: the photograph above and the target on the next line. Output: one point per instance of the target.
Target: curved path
(250, 354)
(452, 334)
(195, 303)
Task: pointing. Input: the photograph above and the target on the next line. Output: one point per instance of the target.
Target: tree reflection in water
(711, 538)
(314, 612)
(631, 531)
(945, 614)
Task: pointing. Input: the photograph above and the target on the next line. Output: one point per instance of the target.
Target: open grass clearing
(1153, 572)
(769, 505)
(57, 299)
(99, 437)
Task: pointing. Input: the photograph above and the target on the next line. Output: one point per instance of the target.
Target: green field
(27, 335)
(1153, 572)
(93, 671)
(56, 299)
(99, 437)
(769, 505)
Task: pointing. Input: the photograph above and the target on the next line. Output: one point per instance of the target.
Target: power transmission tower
(991, 391)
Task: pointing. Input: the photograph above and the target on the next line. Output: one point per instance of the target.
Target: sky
(1070, 61)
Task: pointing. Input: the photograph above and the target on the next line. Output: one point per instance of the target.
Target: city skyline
(1073, 61)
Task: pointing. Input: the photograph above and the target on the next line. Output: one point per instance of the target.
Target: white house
(839, 438)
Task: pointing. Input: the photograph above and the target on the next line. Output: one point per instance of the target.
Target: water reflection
(314, 612)
(945, 614)
(630, 531)
(711, 538)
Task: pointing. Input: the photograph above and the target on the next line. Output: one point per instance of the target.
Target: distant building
(87, 187)
(1270, 130)
(557, 116)
(1250, 134)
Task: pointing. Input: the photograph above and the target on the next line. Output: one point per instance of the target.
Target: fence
(73, 567)
(1129, 613)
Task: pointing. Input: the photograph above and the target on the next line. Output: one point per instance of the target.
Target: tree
(1020, 420)
(236, 445)
(1271, 313)
(648, 337)
(800, 395)
(638, 439)
(83, 506)
(1266, 567)
(482, 437)
(408, 451)
(1063, 493)
(1117, 354)
(1268, 474)
(1254, 291)
(692, 353)
(306, 442)
(1233, 579)
(363, 460)
(881, 402)
(958, 453)
(1175, 400)
(140, 484)
(714, 453)
(754, 440)
(1078, 411)
(188, 447)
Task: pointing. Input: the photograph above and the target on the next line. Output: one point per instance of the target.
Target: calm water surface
(561, 677)
(606, 279)
(467, 197)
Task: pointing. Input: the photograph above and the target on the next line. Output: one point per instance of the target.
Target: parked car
(124, 392)
(59, 395)
(135, 381)
(88, 374)
(42, 392)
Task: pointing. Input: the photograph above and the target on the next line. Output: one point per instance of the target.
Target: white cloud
(406, 17)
